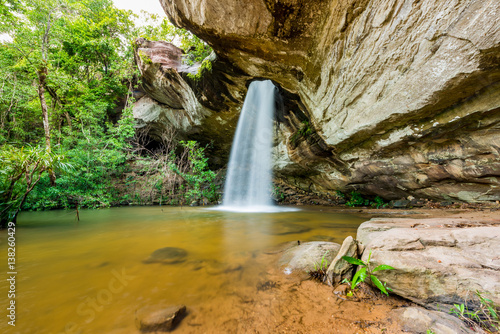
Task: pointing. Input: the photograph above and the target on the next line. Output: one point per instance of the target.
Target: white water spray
(248, 180)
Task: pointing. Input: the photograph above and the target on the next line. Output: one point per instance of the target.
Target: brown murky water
(91, 276)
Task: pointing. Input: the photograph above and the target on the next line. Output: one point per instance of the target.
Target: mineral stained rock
(391, 98)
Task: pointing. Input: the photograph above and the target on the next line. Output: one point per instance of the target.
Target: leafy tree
(22, 170)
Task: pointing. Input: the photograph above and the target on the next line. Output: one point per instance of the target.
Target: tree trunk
(42, 76)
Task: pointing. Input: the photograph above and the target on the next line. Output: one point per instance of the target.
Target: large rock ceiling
(386, 97)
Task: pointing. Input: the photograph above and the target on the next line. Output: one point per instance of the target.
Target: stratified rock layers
(389, 98)
(438, 262)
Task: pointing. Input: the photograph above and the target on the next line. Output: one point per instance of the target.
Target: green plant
(198, 177)
(320, 268)
(304, 131)
(484, 316)
(429, 331)
(357, 200)
(366, 271)
(378, 202)
(277, 193)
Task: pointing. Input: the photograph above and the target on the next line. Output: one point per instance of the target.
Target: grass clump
(485, 316)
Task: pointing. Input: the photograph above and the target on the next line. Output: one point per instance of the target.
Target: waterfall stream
(248, 180)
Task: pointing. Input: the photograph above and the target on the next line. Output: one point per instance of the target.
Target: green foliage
(357, 200)
(21, 170)
(484, 316)
(198, 177)
(206, 66)
(277, 194)
(98, 155)
(145, 58)
(304, 131)
(378, 203)
(364, 271)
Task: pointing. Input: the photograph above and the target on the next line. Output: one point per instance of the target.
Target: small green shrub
(357, 200)
(145, 58)
(366, 271)
(320, 269)
(486, 316)
(198, 177)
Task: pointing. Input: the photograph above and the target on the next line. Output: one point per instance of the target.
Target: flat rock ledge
(438, 261)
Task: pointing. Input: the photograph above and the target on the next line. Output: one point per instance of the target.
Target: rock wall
(391, 98)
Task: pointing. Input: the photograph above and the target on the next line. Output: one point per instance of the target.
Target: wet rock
(339, 268)
(151, 319)
(308, 256)
(419, 320)
(286, 228)
(399, 204)
(438, 261)
(167, 255)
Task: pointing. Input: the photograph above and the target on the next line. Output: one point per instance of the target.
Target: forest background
(67, 136)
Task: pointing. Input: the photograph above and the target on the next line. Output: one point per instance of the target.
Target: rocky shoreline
(440, 259)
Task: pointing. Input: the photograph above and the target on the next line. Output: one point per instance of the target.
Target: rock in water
(151, 319)
(167, 255)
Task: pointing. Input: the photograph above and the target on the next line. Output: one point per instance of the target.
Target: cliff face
(391, 98)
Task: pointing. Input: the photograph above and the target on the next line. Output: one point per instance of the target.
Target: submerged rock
(438, 261)
(151, 319)
(286, 228)
(308, 256)
(167, 255)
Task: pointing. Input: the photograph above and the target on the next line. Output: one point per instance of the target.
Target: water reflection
(95, 273)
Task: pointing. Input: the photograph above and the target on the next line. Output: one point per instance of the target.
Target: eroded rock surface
(419, 320)
(438, 262)
(389, 98)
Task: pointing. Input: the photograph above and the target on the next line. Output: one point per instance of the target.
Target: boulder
(308, 256)
(439, 261)
(152, 319)
(419, 320)
(340, 269)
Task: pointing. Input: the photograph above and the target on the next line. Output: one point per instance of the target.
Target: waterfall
(248, 180)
